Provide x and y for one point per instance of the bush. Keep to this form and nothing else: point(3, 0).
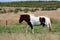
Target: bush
point(10, 10)
point(49, 8)
point(2, 10)
point(36, 9)
point(32, 10)
point(26, 10)
point(17, 9)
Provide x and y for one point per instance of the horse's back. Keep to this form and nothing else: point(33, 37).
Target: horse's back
point(34, 20)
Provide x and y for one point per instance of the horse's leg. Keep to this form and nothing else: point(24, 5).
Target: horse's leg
point(50, 27)
point(33, 31)
point(43, 25)
point(27, 28)
point(29, 23)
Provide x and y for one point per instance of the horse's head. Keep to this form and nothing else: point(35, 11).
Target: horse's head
point(25, 18)
point(21, 19)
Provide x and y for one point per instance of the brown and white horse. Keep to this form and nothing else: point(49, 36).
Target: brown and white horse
point(32, 20)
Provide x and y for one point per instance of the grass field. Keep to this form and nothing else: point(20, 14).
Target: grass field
point(21, 28)
point(17, 32)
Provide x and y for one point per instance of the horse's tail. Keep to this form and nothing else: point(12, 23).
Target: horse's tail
point(50, 27)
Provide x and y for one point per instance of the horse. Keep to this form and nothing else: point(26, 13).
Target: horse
point(33, 20)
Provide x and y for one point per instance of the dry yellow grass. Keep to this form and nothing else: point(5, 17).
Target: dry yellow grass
point(29, 36)
point(13, 18)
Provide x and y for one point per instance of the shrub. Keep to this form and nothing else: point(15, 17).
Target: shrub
point(49, 8)
point(2, 10)
point(26, 10)
point(36, 9)
point(17, 9)
point(10, 10)
point(32, 10)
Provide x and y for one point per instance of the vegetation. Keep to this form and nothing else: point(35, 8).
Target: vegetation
point(2, 10)
point(10, 10)
point(22, 28)
point(42, 4)
point(30, 4)
point(36, 4)
point(16, 10)
point(26, 10)
point(18, 31)
point(49, 8)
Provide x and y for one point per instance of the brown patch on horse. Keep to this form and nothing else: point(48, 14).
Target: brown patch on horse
point(42, 21)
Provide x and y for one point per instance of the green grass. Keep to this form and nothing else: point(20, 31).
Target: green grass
point(13, 28)
point(21, 28)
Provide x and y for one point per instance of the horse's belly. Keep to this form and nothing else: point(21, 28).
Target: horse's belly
point(35, 22)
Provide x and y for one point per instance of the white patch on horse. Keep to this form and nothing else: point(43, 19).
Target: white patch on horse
point(34, 20)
